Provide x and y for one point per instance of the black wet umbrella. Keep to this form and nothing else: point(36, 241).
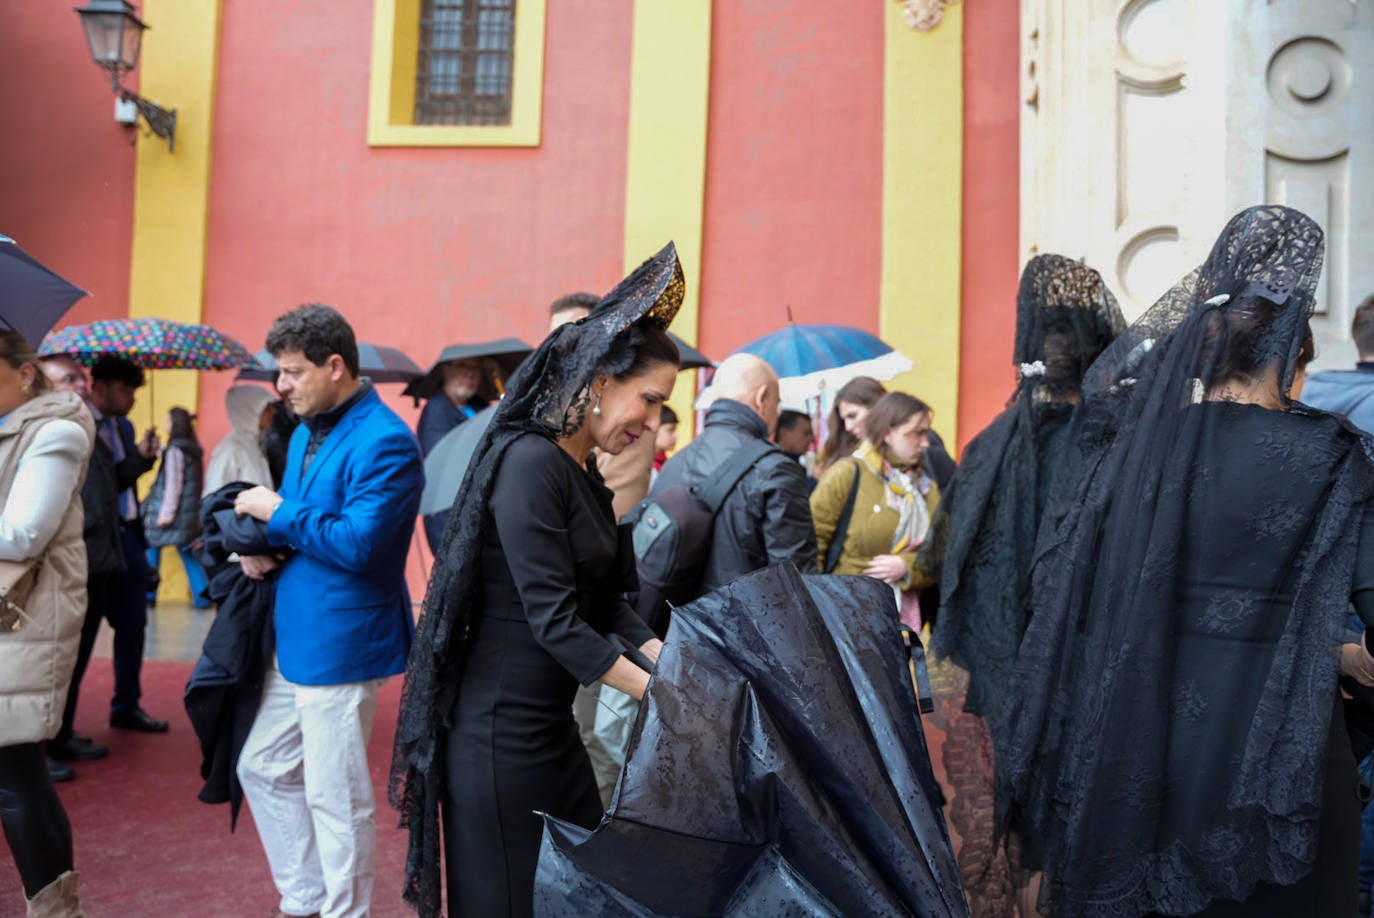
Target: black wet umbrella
point(506, 353)
point(778, 767)
point(32, 297)
point(378, 363)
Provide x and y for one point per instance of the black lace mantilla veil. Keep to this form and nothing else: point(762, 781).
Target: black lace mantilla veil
point(547, 395)
point(1082, 741)
point(1065, 318)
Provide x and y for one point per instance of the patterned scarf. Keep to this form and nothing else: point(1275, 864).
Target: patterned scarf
point(905, 493)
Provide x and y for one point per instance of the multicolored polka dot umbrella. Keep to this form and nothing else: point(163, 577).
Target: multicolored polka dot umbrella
point(154, 344)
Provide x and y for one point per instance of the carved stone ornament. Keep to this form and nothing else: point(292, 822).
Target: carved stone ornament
point(924, 15)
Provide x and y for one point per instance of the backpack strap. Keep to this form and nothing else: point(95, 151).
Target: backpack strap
point(724, 479)
point(835, 549)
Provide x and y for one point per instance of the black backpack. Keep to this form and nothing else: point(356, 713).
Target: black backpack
point(672, 535)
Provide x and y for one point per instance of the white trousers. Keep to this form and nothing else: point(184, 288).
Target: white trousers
point(304, 773)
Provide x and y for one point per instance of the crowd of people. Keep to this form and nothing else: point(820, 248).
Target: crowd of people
point(1144, 587)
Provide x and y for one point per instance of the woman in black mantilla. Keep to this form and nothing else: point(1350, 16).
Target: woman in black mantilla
point(1172, 743)
point(983, 540)
point(529, 583)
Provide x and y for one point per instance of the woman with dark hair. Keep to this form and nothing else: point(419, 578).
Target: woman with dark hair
point(872, 511)
point(1174, 742)
point(171, 513)
point(983, 541)
point(845, 426)
point(527, 591)
point(845, 430)
point(45, 443)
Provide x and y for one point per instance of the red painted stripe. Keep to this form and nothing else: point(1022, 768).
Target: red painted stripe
point(991, 210)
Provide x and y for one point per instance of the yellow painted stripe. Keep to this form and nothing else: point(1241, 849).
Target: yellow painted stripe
point(923, 97)
point(177, 69)
point(670, 82)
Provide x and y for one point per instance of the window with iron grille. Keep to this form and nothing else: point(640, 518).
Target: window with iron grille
point(463, 75)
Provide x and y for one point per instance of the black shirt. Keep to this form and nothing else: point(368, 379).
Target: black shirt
point(325, 421)
point(553, 558)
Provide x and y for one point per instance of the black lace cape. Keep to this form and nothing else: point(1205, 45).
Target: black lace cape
point(1065, 318)
point(1093, 676)
point(547, 395)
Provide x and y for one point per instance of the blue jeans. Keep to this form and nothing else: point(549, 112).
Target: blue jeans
point(195, 574)
point(1367, 835)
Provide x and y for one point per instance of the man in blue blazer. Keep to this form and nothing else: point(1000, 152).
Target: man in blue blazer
point(343, 522)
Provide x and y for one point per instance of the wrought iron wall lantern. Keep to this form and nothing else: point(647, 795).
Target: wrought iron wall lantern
point(114, 34)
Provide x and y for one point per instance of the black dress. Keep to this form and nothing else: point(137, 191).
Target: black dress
point(551, 589)
point(1246, 527)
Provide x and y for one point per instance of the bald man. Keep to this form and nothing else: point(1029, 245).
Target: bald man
point(766, 519)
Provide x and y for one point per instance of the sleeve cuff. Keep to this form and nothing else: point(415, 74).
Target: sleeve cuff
point(600, 668)
point(279, 523)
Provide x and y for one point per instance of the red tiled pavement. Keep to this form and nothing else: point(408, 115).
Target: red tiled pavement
point(145, 846)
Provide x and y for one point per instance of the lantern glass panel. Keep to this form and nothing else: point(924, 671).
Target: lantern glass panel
point(133, 37)
point(104, 35)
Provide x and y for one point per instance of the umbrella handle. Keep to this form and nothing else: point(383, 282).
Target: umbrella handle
point(634, 654)
point(917, 651)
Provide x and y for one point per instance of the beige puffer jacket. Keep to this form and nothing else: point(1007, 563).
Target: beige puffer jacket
point(56, 431)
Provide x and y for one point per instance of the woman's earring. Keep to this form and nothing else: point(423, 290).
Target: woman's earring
point(596, 409)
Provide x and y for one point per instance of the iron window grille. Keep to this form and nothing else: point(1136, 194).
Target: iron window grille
point(463, 75)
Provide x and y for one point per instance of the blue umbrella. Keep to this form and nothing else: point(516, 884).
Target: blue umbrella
point(379, 363)
point(811, 360)
point(32, 297)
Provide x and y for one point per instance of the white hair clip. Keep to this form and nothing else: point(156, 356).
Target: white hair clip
point(1221, 299)
point(1033, 369)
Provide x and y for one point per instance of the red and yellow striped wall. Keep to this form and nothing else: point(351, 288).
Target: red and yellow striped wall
point(805, 155)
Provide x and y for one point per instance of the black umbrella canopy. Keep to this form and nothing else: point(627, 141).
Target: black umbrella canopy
point(506, 353)
point(689, 357)
point(377, 362)
point(778, 767)
point(32, 297)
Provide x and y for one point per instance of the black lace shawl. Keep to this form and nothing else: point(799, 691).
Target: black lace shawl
point(1065, 318)
point(1091, 708)
point(547, 395)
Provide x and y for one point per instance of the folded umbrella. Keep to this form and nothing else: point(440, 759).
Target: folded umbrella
point(377, 362)
point(506, 353)
point(778, 767)
point(32, 297)
point(447, 464)
point(154, 344)
point(811, 360)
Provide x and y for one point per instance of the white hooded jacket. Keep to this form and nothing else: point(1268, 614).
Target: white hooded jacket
point(238, 457)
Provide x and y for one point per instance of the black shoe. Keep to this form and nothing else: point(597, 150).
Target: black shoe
point(72, 750)
point(57, 772)
point(136, 719)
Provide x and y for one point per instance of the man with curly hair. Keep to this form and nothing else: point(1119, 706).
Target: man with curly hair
point(343, 523)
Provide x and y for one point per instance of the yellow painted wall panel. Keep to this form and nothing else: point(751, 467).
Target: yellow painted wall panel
point(666, 175)
point(177, 68)
point(922, 188)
